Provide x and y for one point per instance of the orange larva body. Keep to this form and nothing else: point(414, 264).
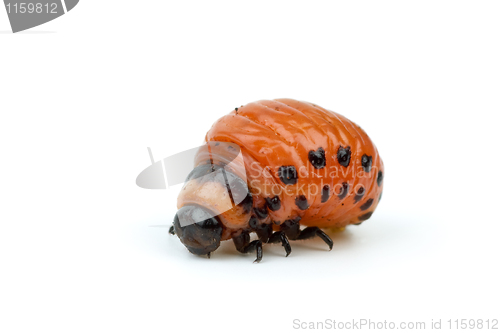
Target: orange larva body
point(303, 163)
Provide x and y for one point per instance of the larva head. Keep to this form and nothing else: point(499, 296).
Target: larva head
point(198, 229)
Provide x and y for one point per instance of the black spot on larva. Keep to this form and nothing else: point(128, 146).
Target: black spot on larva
point(359, 194)
point(301, 202)
point(218, 143)
point(380, 178)
point(317, 158)
point(273, 203)
point(366, 205)
point(366, 162)
point(253, 223)
point(325, 193)
point(343, 191)
point(380, 196)
point(261, 213)
point(344, 156)
point(288, 175)
point(365, 217)
point(238, 190)
point(247, 203)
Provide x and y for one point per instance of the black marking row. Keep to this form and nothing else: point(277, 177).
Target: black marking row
point(288, 173)
point(289, 176)
point(274, 203)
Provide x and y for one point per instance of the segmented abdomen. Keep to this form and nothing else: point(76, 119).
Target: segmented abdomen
point(304, 162)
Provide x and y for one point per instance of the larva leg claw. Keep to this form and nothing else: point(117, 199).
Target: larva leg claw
point(279, 236)
point(171, 230)
point(243, 245)
point(311, 232)
point(258, 249)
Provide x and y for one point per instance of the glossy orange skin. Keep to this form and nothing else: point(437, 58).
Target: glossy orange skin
point(282, 132)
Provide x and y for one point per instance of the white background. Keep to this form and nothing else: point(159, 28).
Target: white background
point(83, 249)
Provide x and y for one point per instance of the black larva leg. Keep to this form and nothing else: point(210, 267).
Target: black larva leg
point(279, 236)
point(291, 228)
point(256, 246)
point(243, 245)
point(311, 232)
point(264, 232)
point(171, 230)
